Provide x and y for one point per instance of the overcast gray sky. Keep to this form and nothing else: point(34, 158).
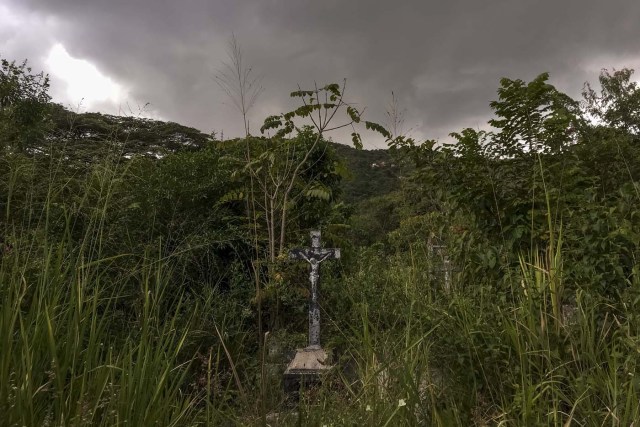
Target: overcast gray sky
point(443, 59)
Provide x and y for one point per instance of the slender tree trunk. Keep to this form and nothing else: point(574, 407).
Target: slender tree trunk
point(283, 218)
point(272, 233)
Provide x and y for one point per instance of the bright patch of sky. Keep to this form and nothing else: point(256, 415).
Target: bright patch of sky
point(85, 84)
point(7, 20)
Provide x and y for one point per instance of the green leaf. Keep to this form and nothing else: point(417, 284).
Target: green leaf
point(301, 93)
point(357, 140)
point(334, 88)
point(378, 128)
point(319, 191)
point(306, 110)
point(353, 114)
point(232, 196)
point(271, 122)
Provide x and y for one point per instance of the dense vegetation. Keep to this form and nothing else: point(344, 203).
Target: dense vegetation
point(494, 281)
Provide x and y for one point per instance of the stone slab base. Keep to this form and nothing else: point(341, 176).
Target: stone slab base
point(305, 371)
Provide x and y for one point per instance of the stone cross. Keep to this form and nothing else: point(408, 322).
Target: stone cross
point(314, 256)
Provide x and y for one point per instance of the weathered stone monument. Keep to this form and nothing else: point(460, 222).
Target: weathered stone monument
point(311, 362)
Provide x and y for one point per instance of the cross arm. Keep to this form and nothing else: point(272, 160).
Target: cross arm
point(329, 253)
point(300, 253)
point(312, 253)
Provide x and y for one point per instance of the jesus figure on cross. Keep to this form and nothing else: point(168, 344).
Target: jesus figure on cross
point(314, 255)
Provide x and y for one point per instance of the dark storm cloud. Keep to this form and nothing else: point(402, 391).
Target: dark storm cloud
point(443, 59)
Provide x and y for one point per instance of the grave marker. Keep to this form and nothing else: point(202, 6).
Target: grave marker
point(309, 362)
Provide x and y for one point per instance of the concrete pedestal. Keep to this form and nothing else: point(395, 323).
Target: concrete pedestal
point(305, 370)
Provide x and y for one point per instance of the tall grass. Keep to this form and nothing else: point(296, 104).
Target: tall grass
point(71, 353)
point(93, 337)
point(89, 337)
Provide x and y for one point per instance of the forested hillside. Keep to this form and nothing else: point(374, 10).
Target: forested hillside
point(145, 279)
point(370, 173)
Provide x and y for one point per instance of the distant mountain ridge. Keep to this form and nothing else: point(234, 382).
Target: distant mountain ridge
point(372, 173)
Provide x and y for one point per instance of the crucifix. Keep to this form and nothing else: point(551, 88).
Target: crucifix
point(314, 255)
